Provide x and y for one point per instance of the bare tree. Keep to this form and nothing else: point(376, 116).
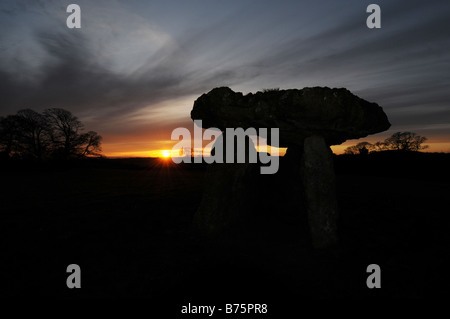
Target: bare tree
point(91, 144)
point(360, 148)
point(8, 135)
point(32, 133)
point(65, 132)
point(402, 141)
point(405, 141)
point(380, 146)
point(56, 133)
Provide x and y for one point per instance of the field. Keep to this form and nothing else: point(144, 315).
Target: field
point(128, 224)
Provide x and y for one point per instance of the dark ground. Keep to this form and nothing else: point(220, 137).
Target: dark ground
point(127, 223)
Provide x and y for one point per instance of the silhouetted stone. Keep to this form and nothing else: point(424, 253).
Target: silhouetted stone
point(309, 120)
point(228, 192)
point(320, 193)
point(335, 114)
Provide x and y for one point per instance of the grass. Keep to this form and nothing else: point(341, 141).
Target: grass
point(128, 225)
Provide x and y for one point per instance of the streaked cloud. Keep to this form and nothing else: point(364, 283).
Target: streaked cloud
point(135, 67)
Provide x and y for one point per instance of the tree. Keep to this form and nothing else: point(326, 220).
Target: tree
point(8, 135)
point(33, 137)
point(360, 148)
point(402, 141)
point(405, 141)
point(65, 132)
point(379, 146)
point(55, 133)
point(91, 141)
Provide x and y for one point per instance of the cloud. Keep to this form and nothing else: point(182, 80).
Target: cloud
point(80, 74)
point(124, 74)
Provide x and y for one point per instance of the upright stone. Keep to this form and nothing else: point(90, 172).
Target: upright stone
point(229, 191)
point(319, 188)
point(309, 121)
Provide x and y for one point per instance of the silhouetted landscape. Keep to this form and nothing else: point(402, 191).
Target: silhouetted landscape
point(210, 153)
point(128, 224)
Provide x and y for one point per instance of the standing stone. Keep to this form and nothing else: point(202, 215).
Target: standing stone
point(229, 191)
point(309, 121)
point(319, 188)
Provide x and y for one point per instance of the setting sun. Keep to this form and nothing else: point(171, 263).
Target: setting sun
point(165, 153)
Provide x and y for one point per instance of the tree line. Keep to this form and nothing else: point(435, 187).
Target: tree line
point(53, 134)
point(400, 141)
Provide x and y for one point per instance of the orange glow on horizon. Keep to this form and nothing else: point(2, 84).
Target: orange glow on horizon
point(117, 151)
point(165, 153)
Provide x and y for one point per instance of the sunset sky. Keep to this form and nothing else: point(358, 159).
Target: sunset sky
point(134, 69)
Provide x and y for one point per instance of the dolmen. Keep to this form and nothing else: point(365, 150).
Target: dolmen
point(309, 120)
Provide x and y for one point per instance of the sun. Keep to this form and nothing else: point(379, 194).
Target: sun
point(165, 153)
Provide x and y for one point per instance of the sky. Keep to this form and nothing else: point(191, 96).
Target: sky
point(134, 69)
